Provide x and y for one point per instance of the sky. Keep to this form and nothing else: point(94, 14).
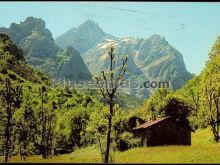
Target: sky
point(191, 27)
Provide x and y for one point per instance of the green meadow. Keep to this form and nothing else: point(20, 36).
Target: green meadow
point(202, 150)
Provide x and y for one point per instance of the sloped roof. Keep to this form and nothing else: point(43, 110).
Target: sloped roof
point(150, 123)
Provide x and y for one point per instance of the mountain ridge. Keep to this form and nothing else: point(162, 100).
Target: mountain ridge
point(88, 31)
point(149, 59)
point(41, 51)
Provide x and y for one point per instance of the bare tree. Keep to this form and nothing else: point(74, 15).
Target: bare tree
point(108, 83)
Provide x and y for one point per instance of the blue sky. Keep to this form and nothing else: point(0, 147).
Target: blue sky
point(191, 27)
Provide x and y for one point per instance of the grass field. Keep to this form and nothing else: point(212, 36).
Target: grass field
point(203, 150)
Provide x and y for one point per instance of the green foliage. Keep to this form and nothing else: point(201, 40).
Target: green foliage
point(26, 123)
point(192, 94)
point(176, 108)
point(10, 99)
point(211, 89)
point(46, 120)
point(151, 108)
point(121, 138)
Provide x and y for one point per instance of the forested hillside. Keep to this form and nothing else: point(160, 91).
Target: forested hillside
point(38, 118)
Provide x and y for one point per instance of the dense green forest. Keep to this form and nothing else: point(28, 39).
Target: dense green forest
point(38, 118)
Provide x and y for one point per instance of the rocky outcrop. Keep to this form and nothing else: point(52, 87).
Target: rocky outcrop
point(34, 39)
point(75, 68)
point(41, 51)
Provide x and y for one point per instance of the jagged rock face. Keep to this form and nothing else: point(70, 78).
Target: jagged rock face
point(98, 59)
point(33, 38)
point(75, 68)
point(83, 37)
point(149, 59)
point(151, 49)
point(152, 59)
point(41, 51)
point(159, 60)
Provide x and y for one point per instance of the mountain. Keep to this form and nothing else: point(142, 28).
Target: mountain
point(83, 37)
point(41, 51)
point(34, 39)
point(67, 64)
point(161, 61)
point(84, 50)
point(75, 67)
point(152, 59)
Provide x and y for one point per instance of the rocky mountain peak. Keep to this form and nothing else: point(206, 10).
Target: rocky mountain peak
point(33, 38)
point(40, 50)
point(157, 39)
point(30, 24)
point(83, 37)
point(89, 22)
point(91, 26)
point(36, 23)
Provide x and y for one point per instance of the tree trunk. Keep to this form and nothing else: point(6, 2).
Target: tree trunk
point(7, 134)
point(100, 147)
point(108, 135)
